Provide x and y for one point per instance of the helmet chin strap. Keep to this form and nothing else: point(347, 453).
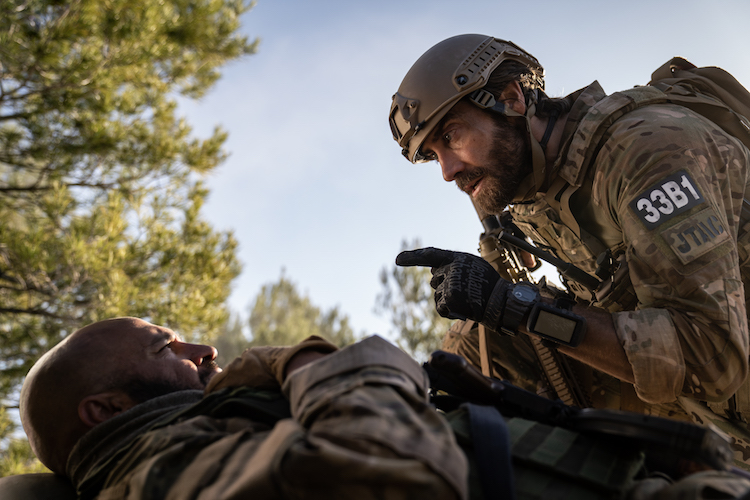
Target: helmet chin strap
point(538, 176)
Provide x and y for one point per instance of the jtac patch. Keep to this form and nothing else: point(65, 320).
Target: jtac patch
point(666, 199)
point(696, 235)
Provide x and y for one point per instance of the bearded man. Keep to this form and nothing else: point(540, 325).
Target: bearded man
point(645, 196)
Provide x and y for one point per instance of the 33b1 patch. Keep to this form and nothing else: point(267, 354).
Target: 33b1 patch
point(668, 198)
point(696, 235)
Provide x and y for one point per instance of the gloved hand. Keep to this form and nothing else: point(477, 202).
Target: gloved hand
point(466, 286)
point(265, 367)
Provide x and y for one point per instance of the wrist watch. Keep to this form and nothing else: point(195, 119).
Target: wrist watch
point(521, 298)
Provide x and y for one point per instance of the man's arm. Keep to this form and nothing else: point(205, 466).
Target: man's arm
point(601, 347)
point(362, 427)
point(676, 193)
point(369, 403)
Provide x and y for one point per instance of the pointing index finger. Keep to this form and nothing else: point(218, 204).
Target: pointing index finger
point(428, 257)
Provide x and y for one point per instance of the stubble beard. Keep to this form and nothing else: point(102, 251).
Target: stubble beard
point(142, 389)
point(508, 164)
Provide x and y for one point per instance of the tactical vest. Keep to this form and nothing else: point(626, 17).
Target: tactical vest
point(550, 223)
point(709, 91)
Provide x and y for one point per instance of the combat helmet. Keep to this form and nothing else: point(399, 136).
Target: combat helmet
point(454, 68)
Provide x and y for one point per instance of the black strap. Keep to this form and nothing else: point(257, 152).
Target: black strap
point(491, 443)
point(548, 131)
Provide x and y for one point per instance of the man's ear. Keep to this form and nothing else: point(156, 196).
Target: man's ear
point(513, 97)
point(98, 408)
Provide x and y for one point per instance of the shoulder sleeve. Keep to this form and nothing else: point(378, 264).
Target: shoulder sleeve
point(674, 184)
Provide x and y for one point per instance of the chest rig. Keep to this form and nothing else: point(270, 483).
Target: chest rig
point(550, 219)
point(552, 222)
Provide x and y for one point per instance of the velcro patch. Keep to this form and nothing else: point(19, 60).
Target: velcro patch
point(666, 199)
point(696, 235)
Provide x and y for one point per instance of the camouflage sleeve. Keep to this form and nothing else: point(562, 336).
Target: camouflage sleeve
point(366, 414)
point(362, 428)
point(674, 185)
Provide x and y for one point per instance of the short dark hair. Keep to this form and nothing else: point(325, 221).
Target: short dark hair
point(510, 71)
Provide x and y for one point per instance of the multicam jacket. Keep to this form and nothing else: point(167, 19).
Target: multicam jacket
point(354, 424)
point(662, 189)
point(665, 187)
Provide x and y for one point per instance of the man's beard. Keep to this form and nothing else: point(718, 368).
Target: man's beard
point(508, 164)
point(140, 389)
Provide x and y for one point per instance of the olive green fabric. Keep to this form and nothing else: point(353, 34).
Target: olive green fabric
point(36, 487)
point(552, 462)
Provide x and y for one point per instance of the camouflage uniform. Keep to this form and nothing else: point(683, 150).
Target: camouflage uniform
point(360, 426)
point(355, 424)
point(663, 188)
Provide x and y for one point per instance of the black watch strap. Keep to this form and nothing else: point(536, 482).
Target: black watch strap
point(521, 298)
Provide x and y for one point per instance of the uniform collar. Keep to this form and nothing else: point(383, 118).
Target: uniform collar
point(581, 102)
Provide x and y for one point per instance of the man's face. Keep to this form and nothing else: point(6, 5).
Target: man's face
point(156, 361)
point(487, 158)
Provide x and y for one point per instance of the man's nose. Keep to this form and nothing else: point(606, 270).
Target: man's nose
point(450, 165)
point(199, 353)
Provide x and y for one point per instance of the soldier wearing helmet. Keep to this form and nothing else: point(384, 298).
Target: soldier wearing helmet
point(643, 195)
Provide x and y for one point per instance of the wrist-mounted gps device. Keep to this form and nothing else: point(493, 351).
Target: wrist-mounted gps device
point(557, 323)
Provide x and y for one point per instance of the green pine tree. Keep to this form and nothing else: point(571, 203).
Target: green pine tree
point(231, 340)
point(100, 178)
point(281, 315)
point(16, 456)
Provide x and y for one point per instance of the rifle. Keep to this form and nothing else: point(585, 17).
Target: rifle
point(672, 446)
point(501, 245)
point(505, 258)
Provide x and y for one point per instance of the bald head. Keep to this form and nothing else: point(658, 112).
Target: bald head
point(99, 371)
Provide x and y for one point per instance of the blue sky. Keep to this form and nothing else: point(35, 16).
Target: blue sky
point(316, 185)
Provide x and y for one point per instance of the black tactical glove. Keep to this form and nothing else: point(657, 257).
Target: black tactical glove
point(466, 286)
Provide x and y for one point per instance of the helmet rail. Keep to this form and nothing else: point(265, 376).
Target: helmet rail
point(442, 76)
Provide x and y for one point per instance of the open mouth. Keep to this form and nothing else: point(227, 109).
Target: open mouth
point(472, 188)
point(470, 182)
